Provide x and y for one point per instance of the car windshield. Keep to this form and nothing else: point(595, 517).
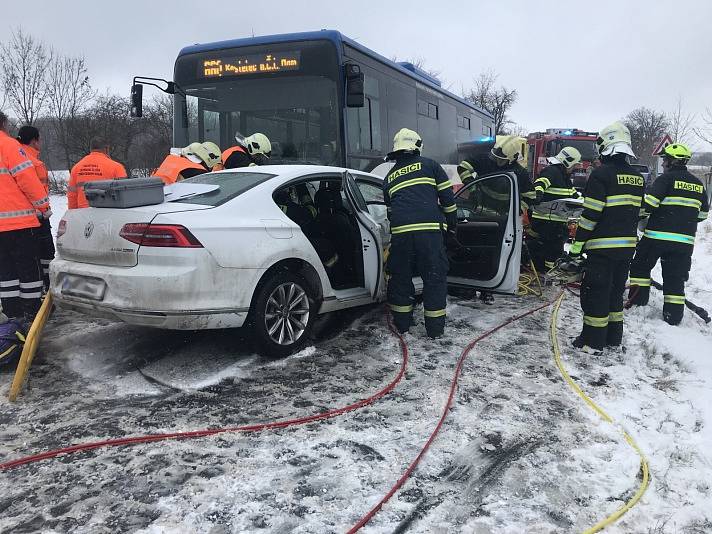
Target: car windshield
point(230, 185)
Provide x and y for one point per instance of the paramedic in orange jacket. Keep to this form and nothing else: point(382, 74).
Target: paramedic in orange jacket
point(195, 159)
point(29, 138)
point(94, 167)
point(23, 201)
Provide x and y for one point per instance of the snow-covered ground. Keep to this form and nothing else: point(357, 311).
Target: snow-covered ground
point(518, 453)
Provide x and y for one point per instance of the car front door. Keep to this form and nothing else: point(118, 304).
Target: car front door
point(487, 252)
point(371, 242)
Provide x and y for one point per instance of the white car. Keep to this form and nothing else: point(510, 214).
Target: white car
point(269, 246)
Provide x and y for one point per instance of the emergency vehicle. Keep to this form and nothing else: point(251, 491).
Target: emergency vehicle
point(546, 144)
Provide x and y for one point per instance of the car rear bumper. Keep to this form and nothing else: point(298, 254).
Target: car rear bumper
point(182, 296)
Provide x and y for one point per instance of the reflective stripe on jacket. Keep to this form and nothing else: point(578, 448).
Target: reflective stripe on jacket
point(94, 167)
point(21, 193)
point(676, 201)
point(170, 170)
point(611, 207)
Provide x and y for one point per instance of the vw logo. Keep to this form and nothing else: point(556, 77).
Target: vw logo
point(88, 229)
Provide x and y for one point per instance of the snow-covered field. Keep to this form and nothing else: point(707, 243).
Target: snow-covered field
point(518, 453)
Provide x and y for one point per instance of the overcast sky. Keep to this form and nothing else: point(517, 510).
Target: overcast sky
point(574, 64)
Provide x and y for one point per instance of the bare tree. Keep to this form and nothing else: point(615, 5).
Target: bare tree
point(646, 127)
point(704, 132)
point(681, 123)
point(514, 128)
point(496, 100)
point(69, 92)
point(24, 74)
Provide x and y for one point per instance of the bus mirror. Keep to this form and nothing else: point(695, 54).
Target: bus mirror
point(137, 100)
point(354, 86)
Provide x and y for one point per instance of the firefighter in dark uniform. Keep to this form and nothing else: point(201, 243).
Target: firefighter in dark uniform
point(676, 202)
point(420, 199)
point(505, 155)
point(550, 230)
point(607, 231)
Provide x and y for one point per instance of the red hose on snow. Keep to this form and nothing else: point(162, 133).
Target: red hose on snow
point(465, 352)
point(213, 431)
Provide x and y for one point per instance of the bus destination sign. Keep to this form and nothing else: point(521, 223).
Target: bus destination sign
point(219, 67)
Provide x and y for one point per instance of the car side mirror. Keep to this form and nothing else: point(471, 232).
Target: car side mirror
point(355, 97)
point(137, 100)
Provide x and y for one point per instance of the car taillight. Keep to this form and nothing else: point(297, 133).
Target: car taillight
point(159, 235)
point(62, 229)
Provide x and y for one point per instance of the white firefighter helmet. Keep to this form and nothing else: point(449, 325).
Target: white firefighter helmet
point(508, 148)
point(567, 156)
point(197, 153)
point(614, 139)
point(213, 154)
point(406, 139)
point(258, 143)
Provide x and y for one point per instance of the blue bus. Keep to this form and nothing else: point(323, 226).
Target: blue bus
point(319, 96)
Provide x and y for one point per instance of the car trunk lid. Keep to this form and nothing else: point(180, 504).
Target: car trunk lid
point(92, 235)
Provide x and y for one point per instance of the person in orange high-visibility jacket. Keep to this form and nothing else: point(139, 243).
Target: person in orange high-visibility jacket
point(23, 201)
point(94, 167)
point(29, 138)
point(178, 166)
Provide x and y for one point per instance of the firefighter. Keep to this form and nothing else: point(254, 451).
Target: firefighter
point(94, 167)
point(550, 229)
point(23, 201)
point(607, 231)
point(506, 154)
point(676, 202)
point(255, 149)
point(419, 199)
point(193, 160)
point(29, 138)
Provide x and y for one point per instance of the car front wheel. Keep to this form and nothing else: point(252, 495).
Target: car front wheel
point(284, 313)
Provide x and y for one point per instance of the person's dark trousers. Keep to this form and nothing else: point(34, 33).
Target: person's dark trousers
point(676, 260)
point(602, 289)
point(20, 280)
point(45, 245)
point(418, 254)
point(549, 243)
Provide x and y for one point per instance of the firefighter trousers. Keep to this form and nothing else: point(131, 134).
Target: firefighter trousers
point(418, 254)
point(20, 279)
point(547, 246)
point(676, 260)
point(46, 249)
point(602, 289)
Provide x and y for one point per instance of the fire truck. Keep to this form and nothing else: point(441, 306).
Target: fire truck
point(546, 144)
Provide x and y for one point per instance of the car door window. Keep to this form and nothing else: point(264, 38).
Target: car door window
point(483, 212)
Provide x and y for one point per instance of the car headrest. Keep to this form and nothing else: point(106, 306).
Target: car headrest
point(328, 199)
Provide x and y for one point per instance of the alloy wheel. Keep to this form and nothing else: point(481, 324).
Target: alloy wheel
point(287, 313)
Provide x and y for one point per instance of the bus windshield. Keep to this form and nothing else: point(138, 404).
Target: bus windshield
point(297, 107)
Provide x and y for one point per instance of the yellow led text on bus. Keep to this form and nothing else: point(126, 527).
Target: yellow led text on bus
point(252, 64)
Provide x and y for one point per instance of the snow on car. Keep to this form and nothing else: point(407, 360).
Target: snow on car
point(247, 249)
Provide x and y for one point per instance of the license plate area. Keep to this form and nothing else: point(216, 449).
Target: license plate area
point(85, 287)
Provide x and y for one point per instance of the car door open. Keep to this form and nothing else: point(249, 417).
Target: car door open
point(370, 236)
point(487, 252)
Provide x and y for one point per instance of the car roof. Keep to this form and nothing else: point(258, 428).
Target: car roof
point(284, 173)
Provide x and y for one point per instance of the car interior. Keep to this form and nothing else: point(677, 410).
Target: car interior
point(320, 209)
point(483, 211)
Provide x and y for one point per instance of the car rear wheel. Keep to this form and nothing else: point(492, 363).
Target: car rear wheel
point(283, 315)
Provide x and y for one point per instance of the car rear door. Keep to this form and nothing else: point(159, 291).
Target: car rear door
point(487, 251)
point(371, 241)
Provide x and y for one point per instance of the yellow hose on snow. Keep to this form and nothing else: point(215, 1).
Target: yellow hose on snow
point(644, 468)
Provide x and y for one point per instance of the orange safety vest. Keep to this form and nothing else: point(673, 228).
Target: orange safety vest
point(21, 193)
point(40, 168)
point(172, 166)
point(229, 151)
point(94, 167)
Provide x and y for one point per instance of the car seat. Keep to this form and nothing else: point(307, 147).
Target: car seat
point(336, 226)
